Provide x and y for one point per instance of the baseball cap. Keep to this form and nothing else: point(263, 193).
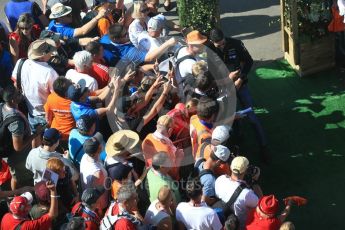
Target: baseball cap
point(91, 195)
point(75, 91)
point(269, 205)
point(85, 122)
point(50, 34)
point(121, 172)
point(91, 145)
point(42, 192)
point(154, 24)
point(222, 152)
point(221, 133)
point(239, 164)
point(19, 205)
point(51, 135)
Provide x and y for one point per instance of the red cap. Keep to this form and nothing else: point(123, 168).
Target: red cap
point(269, 205)
point(18, 206)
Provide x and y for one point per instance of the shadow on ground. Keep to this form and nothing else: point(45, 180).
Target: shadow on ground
point(233, 6)
point(251, 26)
point(305, 122)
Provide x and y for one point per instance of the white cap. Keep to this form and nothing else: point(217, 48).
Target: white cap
point(222, 152)
point(154, 24)
point(28, 196)
point(221, 133)
point(239, 164)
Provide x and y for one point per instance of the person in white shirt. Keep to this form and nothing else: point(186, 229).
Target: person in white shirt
point(195, 214)
point(37, 79)
point(79, 75)
point(140, 12)
point(92, 171)
point(161, 210)
point(150, 39)
point(248, 198)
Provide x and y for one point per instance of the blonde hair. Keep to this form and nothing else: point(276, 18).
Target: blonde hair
point(199, 67)
point(165, 121)
point(55, 164)
point(164, 195)
point(287, 226)
point(25, 19)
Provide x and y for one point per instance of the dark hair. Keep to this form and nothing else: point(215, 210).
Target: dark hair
point(76, 223)
point(115, 31)
point(159, 159)
point(231, 223)
point(216, 35)
point(93, 47)
point(207, 107)
point(61, 85)
point(9, 93)
point(204, 81)
point(48, 143)
point(194, 188)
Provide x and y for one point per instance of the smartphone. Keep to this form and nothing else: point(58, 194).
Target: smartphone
point(170, 65)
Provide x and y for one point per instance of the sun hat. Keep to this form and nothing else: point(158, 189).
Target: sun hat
point(138, 10)
point(195, 38)
point(59, 10)
point(222, 152)
point(123, 140)
point(40, 48)
point(269, 205)
point(239, 164)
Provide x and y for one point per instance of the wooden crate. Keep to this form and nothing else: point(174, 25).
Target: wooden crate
point(305, 57)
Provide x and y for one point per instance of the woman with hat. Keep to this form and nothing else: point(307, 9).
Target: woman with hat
point(62, 19)
point(25, 33)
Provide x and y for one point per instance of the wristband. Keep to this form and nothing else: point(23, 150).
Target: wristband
point(52, 196)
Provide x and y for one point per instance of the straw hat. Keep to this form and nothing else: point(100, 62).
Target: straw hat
point(195, 38)
point(59, 10)
point(138, 8)
point(40, 48)
point(123, 140)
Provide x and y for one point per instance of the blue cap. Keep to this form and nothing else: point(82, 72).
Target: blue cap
point(51, 135)
point(75, 91)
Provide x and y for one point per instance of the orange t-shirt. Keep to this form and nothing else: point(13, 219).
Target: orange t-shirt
point(59, 111)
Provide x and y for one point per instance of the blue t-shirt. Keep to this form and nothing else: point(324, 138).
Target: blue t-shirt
point(65, 31)
point(127, 52)
point(208, 182)
point(75, 143)
point(6, 68)
point(78, 109)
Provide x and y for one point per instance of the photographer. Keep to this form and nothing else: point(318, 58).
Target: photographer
point(228, 187)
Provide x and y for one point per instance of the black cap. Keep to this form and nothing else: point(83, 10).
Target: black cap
point(91, 195)
point(51, 135)
point(91, 145)
point(121, 171)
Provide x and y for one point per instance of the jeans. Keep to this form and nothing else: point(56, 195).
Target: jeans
point(245, 99)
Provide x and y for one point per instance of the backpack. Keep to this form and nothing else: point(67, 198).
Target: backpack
point(108, 222)
point(196, 173)
point(6, 143)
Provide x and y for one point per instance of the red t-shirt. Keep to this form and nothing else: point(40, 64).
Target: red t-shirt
point(256, 222)
point(122, 224)
point(8, 222)
point(101, 74)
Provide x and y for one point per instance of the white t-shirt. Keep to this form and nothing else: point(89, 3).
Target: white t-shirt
point(88, 167)
point(135, 28)
point(37, 83)
point(153, 216)
point(203, 217)
point(247, 199)
point(148, 43)
point(82, 79)
point(185, 67)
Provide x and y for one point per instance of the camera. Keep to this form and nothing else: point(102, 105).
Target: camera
point(251, 173)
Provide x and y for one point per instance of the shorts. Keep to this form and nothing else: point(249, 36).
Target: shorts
point(19, 172)
point(34, 121)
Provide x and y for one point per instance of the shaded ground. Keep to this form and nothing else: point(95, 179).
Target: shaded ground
point(305, 120)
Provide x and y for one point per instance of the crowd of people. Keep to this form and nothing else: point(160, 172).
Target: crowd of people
point(108, 122)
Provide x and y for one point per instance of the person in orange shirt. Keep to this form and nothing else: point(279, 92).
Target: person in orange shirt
point(220, 135)
point(58, 110)
point(159, 142)
point(201, 124)
point(105, 22)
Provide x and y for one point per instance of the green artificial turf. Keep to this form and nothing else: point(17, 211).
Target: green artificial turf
point(304, 121)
